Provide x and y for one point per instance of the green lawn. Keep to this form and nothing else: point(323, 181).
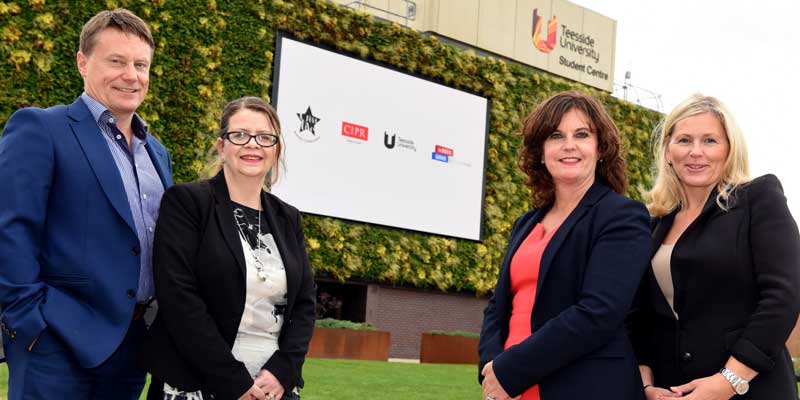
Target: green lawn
point(345, 379)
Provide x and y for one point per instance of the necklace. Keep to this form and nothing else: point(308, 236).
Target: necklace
point(259, 253)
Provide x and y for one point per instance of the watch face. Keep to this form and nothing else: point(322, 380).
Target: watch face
point(741, 387)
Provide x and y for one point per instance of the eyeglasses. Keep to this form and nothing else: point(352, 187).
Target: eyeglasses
point(243, 138)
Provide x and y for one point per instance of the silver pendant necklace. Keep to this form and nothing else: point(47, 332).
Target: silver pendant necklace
point(261, 248)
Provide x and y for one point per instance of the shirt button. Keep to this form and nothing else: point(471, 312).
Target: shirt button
point(119, 137)
point(144, 196)
point(112, 120)
point(686, 356)
point(131, 293)
point(151, 229)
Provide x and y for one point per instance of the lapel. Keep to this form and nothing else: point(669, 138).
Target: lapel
point(657, 298)
point(281, 232)
point(677, 272)
point(227, 225)
point(160, 160)
point(94, 146)
point(592, 196)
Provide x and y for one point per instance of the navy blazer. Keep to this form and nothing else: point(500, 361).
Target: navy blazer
point(588, 276)
point(737, 293)
point(69, 252)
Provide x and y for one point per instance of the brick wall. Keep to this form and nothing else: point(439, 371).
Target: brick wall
point(406, 313)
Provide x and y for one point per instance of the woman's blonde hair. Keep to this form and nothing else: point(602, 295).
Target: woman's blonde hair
point(257, 104)
point(668, 192)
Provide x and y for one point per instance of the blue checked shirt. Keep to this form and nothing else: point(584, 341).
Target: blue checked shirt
point(142, 185)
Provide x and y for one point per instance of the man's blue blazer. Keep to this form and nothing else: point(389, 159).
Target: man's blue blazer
point(69, 253)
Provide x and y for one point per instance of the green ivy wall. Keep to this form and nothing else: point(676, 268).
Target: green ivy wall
point(208, 52)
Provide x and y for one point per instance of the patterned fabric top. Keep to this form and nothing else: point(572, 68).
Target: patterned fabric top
point(266, 298)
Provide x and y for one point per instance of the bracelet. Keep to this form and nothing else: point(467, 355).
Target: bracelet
point(646, 386)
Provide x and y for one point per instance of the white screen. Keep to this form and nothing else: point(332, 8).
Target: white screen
point(334, 171)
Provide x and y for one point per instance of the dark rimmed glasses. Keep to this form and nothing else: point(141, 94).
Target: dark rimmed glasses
point(243, 138)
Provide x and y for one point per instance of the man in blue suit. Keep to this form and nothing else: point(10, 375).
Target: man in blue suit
point(82, 185)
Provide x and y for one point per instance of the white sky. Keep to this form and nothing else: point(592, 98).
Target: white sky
point(747, 54)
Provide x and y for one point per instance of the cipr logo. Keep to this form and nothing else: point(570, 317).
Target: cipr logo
point(544, 45)
point(354, 131)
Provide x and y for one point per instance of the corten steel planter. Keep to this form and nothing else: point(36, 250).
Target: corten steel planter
point(349, 343)
point(447, 349)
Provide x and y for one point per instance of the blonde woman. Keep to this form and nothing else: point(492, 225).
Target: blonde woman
point(233, 282)
point(721, 296)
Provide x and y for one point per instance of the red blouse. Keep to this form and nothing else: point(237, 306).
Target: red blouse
point(524, 276)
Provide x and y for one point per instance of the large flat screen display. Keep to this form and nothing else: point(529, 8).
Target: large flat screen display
point(368, 143)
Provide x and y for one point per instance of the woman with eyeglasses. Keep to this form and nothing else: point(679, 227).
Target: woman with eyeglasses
point(233, 283)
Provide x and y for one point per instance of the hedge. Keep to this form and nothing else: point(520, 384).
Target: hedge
point(344, 324)
point(208, 52)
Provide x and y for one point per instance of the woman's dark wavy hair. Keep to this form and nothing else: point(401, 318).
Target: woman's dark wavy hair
point(544, 120)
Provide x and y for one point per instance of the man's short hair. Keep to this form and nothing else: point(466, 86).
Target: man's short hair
point(119, 19)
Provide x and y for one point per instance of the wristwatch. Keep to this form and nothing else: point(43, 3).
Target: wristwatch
point(740, 386)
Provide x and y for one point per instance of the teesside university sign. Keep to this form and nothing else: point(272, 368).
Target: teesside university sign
point(556, 36)
point(573, 41)
point(570, 41)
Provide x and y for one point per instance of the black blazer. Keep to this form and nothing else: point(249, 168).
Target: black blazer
point(736, 283)
point(199, 272)
point(588, 276)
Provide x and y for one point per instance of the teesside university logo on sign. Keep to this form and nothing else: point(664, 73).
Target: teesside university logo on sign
point(571, 42)
point(442, 154)
point(355, 131)
point(545, 46)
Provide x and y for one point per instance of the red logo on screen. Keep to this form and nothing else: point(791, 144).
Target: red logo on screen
point(355, 131)
point(444, 150)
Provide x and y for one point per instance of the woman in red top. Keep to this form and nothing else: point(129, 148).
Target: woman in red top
point(553, 329)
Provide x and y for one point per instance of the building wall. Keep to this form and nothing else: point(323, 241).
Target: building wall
point(407, 313)
point(505, 27)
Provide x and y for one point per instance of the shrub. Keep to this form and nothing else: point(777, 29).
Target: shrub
point(456, 333)
point(342, 324)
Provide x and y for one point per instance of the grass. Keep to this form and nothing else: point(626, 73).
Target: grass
point(349, 379)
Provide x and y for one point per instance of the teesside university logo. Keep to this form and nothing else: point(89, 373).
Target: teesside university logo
point(545, 46)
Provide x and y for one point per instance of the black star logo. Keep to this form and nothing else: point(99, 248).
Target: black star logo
point(307, 121)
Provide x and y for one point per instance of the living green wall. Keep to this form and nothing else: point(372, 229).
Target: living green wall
point(208, 52)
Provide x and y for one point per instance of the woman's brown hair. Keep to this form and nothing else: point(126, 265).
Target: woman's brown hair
point(544, 120)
